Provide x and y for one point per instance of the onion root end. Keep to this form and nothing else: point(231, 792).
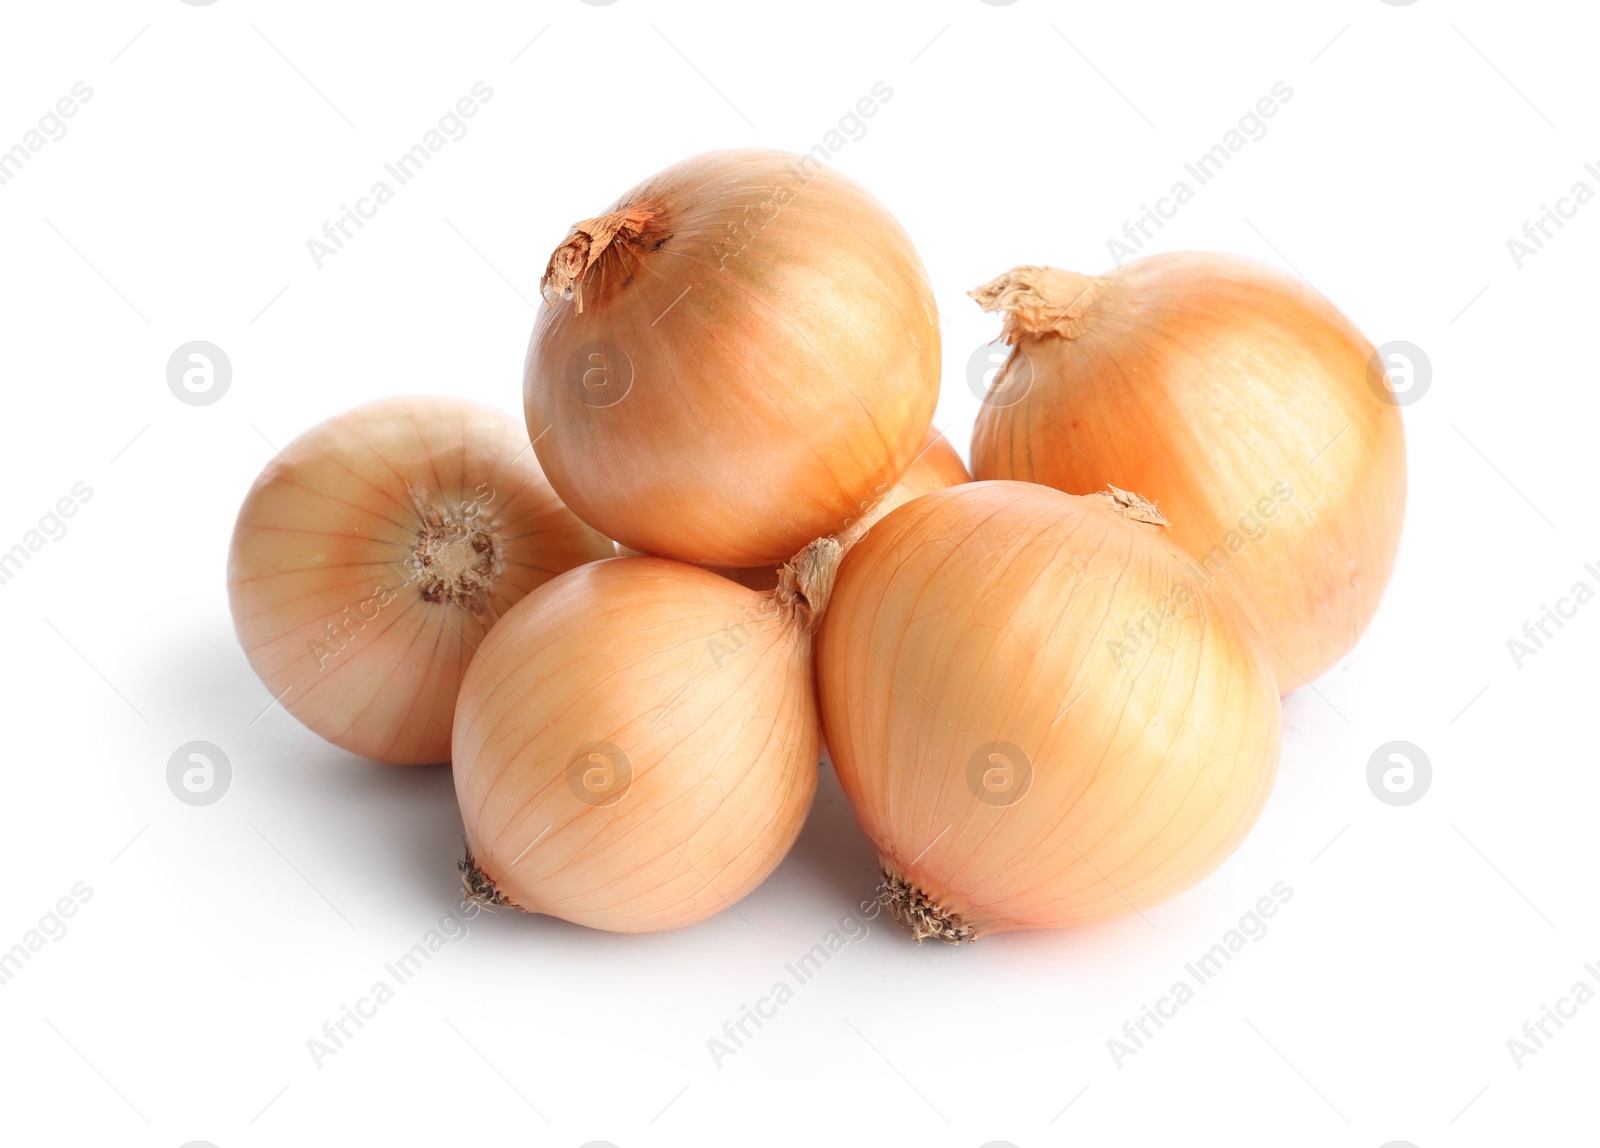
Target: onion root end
point(921, 913)
point(477, 889)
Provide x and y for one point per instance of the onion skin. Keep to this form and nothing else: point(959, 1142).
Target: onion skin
point(1203, 381)
point(761, 578)
point(984, 614)
point(701, 686)
point(772, 344)
point(343, 623)
point(936, 468)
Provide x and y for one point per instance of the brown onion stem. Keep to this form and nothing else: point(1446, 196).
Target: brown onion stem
point(806, 582)
point(585, 244)
point(1126, 504)
point(1040, 301)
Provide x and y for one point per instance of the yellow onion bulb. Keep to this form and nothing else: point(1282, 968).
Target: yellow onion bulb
point(375, 551)
point(937, 467)
point(636, 742)
point(1039, 718)
point(732, 359)
point(1239, 401)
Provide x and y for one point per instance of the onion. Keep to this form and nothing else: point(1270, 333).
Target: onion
point(636, 743)
point(938, 466)
point(735, 357)
point(1017, 759)
point(372, 555)
point(1239, 401)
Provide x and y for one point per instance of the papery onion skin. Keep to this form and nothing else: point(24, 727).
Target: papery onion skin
point(360, 635)
point(937, 467)
point(756, 356)
point(636, 745)
point(1239, 401)
point(761, 578)
point(979, 620)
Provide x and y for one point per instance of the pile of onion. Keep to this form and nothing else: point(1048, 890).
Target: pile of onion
point(374, 553)
point(636, 744)
point(1050, 702)
point(735, 358)
point(1020, 759)
point(1239, 401)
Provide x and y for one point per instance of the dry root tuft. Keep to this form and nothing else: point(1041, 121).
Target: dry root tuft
point(477, 889)
point(920, 913)
point(457, 556)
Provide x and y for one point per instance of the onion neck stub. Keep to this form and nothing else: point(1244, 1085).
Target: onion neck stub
point(588, 241)
point(1041, 301)
point(1133, 507)
point(806, 583)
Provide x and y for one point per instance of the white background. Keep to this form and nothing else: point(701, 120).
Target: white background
point(218, 940)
